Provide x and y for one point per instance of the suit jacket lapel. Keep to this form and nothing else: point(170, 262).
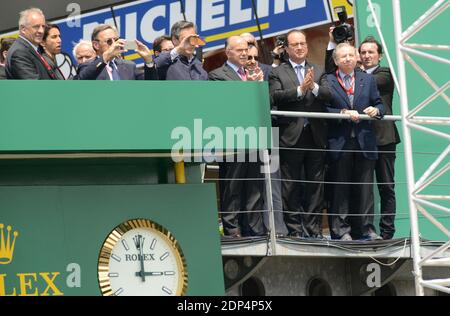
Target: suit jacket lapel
point(121, 68)
point(35, 54)
point(291, 73)
point(337, 87)
point(359, 84)
point(230, 73)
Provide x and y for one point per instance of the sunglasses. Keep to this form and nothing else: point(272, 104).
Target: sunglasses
point(109, 41)
point(253, 57)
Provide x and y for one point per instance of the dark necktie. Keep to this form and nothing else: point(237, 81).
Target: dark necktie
point(114, 71)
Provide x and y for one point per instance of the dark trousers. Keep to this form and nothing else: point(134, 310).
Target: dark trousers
point(301, 199)
point(384, 171)
point(348, 198)
point(242, 202)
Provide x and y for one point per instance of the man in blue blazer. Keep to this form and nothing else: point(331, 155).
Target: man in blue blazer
point(353, 147)
point(181, 63)
point(108, 65)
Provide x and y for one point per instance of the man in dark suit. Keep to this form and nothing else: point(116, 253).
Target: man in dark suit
point(108, 65)
point(24, 58)
point(353, 147)
point(371, 52)
point(293, 87)
point(240, 199)
point(181, 63)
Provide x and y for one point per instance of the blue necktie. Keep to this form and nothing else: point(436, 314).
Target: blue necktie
point(115, 72)
point(300, 77)
point(298, 70)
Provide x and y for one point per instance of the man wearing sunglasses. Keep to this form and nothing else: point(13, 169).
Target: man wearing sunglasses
point(252, 42)
point(109, 65)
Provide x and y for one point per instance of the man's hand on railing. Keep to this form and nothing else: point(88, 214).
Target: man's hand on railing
point(354, 115)
point(371, 111)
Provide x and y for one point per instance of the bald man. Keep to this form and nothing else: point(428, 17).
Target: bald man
point(240, 199)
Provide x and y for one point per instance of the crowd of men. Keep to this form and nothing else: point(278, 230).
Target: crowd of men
point(346, 153)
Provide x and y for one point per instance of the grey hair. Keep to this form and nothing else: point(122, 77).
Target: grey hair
point(339, 47)
point(23, 16)
point(178, 26)
point(81, 42)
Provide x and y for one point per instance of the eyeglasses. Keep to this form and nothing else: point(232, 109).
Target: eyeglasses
point(109, 41)
point(253, 57)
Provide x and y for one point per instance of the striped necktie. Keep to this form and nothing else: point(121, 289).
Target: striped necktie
point(241, 73)
point(348, 86)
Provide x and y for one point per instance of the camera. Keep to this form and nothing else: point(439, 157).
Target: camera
point(281, 40)
point(343, 32)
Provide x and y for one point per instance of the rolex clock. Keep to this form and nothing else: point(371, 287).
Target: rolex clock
point(141, 258)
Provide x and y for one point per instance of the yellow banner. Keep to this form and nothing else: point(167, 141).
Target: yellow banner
point(347, 3)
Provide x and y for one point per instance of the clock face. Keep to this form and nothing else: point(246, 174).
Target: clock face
point(139, 258)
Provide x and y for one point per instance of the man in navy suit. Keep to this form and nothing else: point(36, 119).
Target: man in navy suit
point(108, 65)
point(353, 147)
point(181, 63)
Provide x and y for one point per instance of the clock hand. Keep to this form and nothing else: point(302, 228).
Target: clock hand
point(139, 242)
point(150, 273)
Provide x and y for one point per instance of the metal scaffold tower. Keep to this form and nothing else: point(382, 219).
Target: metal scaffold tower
point(420, 203)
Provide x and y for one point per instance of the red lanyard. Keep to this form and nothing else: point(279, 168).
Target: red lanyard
point(49, 68)
point(349, 90)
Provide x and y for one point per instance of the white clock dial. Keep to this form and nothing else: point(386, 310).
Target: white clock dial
point(141, 258)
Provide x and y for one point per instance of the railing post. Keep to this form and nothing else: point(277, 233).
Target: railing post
point(268, 186)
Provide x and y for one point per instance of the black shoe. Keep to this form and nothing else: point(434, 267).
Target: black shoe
point(372, 236)
point(346, 237)
point(295, 235)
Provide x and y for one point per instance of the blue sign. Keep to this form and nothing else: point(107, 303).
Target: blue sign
point(216, 20)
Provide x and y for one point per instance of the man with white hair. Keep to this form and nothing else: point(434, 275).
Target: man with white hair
point(84, 52)
point(24, 58)
point(353, 147)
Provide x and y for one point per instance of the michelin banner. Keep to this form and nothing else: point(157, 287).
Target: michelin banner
point(216, 19)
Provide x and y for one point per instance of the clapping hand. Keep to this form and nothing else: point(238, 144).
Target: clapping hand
point(255, 75)
point(308, 83)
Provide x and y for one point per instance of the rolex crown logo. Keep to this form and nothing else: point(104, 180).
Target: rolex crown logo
point(7, 245)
